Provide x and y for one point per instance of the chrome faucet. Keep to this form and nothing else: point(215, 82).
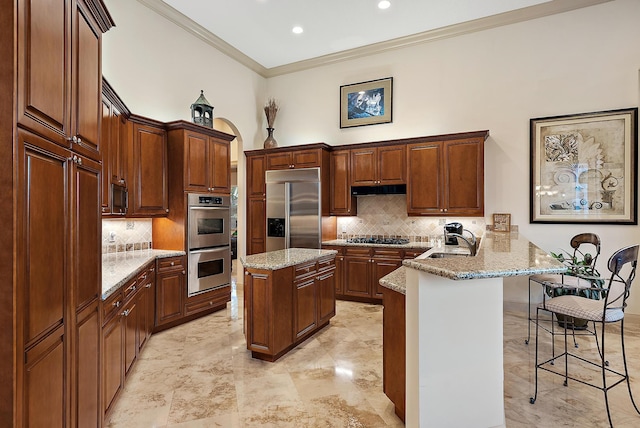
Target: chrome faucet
point(473, 244)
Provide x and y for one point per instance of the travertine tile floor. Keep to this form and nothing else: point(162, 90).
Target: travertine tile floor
point(200, 375)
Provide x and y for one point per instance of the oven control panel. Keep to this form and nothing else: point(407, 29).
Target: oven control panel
point(204, 200)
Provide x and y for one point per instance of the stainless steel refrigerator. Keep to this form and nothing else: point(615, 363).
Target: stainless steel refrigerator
point(293, 209)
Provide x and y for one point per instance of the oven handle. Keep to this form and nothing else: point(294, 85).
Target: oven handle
point(211, 250)
point(209, 208)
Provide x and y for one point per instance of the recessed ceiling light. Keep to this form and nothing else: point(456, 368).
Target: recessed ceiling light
point(384, 4)
point(297, 29)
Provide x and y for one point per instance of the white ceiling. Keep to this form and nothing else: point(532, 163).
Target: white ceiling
point(258, 32)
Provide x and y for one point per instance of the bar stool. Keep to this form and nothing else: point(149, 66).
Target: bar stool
point(608, 310)
point(580, 244)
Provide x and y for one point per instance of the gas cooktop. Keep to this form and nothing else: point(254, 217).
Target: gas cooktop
point(394, 241)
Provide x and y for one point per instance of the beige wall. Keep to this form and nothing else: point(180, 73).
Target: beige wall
point(581, 61)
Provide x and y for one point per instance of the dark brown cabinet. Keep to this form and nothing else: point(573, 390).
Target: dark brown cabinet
point(446, 177)
point(373, 166)
point(342, 202)
point(147, 154)
point(283, 307)
point(200, 158)
point(256, 203)
point(112, 356)
point(170, 289)
point(393, 349)
point(295, 159)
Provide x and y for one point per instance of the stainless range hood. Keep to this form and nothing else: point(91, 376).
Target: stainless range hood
point(397, 189)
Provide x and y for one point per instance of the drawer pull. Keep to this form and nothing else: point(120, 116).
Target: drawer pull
point(147, 286)
point(126, 313)
point(116, 304)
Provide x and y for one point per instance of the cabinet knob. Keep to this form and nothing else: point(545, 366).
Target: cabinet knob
point(104, 210)
point(167, 210)
point(148, 285)
point(126, 313)
point(152, 269)
point(78, 140)
point(172, 263)
point(116, 304)
point(121, 181)
point(183, 272)
point(210, 303)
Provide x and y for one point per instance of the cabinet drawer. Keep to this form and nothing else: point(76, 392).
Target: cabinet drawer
point(170, 263)
point(357, 251)
point(304, 270)
point(111, 305)
point(213, 299)
point(412, 254)
point(387, 254)
point(129, 288)
point(326, 264)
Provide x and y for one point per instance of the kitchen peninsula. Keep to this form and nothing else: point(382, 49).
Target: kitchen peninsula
point(288, 296)
point(454, 352)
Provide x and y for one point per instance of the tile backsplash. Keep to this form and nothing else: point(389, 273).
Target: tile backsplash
point(120, 235)
point(387, 215)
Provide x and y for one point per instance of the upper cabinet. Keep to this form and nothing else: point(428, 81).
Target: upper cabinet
point(59, 71)
point(147, 154)
point(295, 159)
point(373, 166)
point(446, 178)
point(200, 157)
point(342, 202)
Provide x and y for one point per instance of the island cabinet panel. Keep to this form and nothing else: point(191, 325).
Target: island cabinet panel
point(326, 290)
point(342, 202)
point(383, 263)
point(373, 166)
point(393, 349)
point(147, 153)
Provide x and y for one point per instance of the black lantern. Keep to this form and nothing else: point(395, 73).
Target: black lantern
point(202, 111)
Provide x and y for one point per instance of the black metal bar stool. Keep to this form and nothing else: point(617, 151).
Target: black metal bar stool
point(609, 309)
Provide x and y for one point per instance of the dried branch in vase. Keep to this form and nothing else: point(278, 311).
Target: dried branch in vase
point(270, 110)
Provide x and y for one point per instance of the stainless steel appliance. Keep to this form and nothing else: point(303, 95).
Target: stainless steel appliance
point(449, 229)
point(293, 209)
point(209, 244)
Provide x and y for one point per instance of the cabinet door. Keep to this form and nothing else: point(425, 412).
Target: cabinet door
point(256, 166)
point(42, 196)
point(87, 83)
point(148, 193)
point(357, 276)
point(424, 181)
point(306, 158)
point(131, 333)
point(220, 175)
point(256, 221)
point(44, 68)
point(364, 167)
point(196, 162)
point(147, 311)
point(258, 310)
point(464, 177)
point(281, 160)
point(86, 377)
point(382, 268)
point(106, 127)
point(305, 314)
point(342, 203)
point(120, 130)
point(112, 360)
point(339, 275)
point(170, 289)
point(326, 295)
point(86, 232)
point(391, 164)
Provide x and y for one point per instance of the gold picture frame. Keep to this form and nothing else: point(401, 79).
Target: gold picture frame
point(502, 222)
point(366, 103)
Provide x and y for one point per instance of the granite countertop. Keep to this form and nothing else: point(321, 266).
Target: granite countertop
point(499, 255)
point(343, 242)
point(118, 268)
point(279, 259)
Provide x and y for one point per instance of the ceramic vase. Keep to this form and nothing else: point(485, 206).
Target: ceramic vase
point(270, 142)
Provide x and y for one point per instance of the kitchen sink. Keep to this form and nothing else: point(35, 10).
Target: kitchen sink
point(446, 255)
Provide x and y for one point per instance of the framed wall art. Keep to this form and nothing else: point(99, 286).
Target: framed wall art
point(584, 168)
point(366, 103)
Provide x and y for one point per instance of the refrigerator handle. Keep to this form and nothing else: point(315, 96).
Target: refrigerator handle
point(287, 213)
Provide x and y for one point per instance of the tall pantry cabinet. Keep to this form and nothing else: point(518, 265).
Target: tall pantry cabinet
point(51, 63)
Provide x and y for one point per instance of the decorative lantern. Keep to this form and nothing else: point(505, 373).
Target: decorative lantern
point(202, 111)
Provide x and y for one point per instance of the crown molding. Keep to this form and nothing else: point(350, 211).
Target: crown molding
point(520, 15)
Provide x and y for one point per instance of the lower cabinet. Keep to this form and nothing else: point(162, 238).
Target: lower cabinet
point(170, 290)
point(283, 307)
point(359, 269)
point(112, 360)
point(86, 410)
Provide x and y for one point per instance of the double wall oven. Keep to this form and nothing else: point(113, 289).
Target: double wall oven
point(209, 242)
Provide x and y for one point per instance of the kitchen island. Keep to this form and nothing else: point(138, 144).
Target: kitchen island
point(454, 352)
point(288, 296)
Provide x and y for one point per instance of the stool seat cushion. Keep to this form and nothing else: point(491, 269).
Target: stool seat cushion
point(581, 307)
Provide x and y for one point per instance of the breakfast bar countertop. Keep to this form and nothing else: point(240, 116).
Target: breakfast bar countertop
point(499, 255)
point(274, 260)
point(118, 268)
point(410, 245)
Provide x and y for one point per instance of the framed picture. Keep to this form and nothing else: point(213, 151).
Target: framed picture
point(584, 168)
point(366, 103)
point(502, 222)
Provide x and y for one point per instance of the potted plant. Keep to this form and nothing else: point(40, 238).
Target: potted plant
point(579, 265)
